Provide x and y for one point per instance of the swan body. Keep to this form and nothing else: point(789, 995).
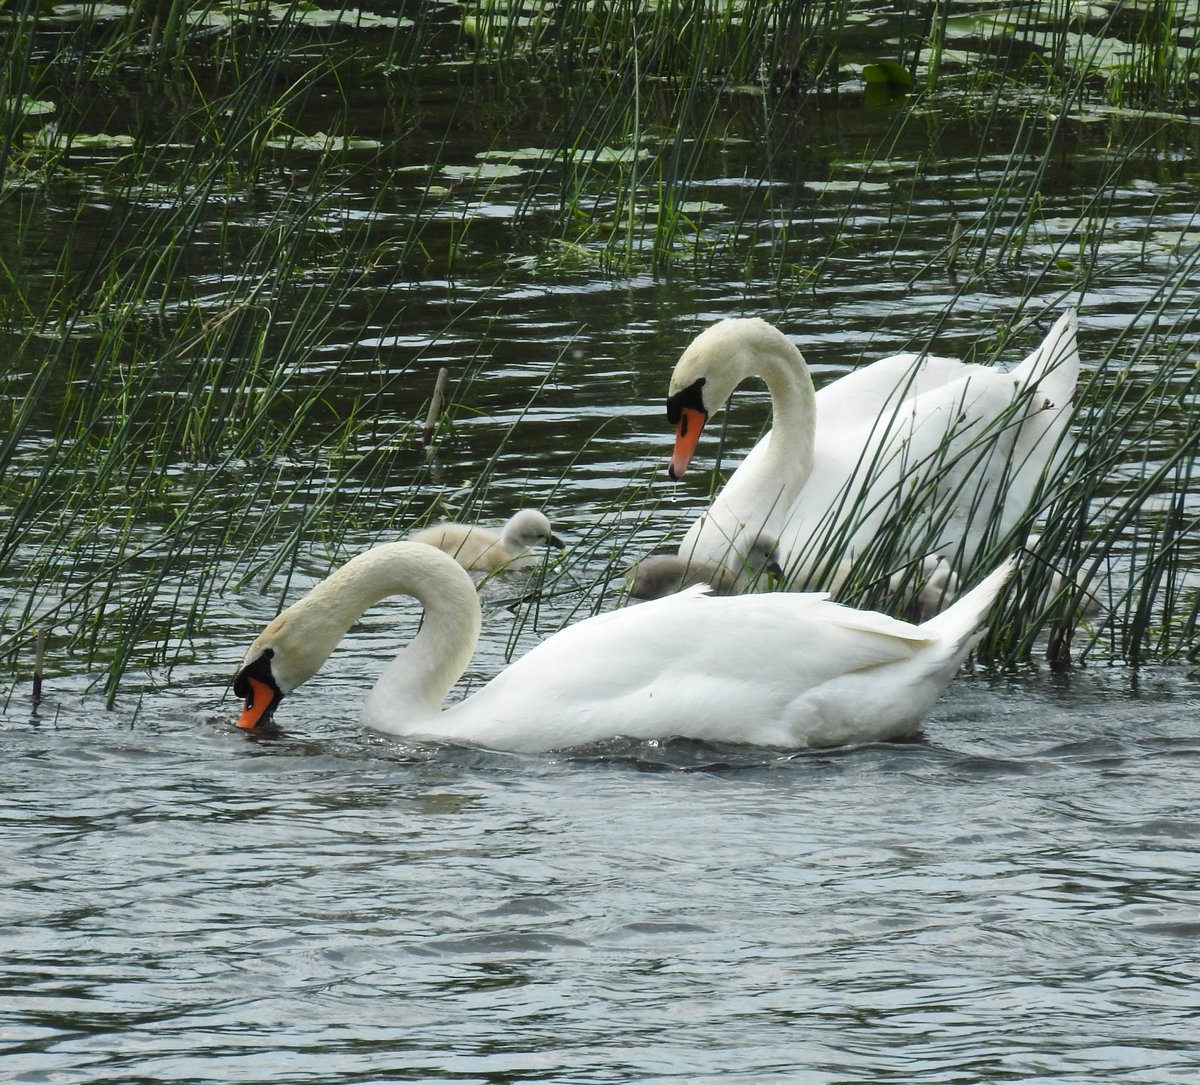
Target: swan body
point(483, 549)
point(783, 670)
point(911, 460)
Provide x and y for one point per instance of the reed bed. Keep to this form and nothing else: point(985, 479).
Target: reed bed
point(201, 221)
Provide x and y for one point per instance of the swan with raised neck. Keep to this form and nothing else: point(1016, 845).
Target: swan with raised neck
point(719, 359)
point(914, 461)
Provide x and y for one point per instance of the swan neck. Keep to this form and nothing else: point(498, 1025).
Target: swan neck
point(424, 671)
point(789, 454)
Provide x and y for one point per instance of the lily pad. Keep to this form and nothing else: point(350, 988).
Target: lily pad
point(30, 107)
point(486, 171)
point(304, 15)
point(323, 142)
point(888, 73)
point(847, 186)
point(522, 154)
point(92, 13)
point(103, 140)
point(614, 155)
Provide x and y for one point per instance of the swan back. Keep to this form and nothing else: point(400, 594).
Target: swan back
point(779, 669)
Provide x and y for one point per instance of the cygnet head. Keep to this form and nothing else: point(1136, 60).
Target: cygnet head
point(664, 574)
point(714, 364)
point(526, 529)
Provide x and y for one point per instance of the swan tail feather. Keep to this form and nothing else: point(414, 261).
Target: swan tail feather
point(959, 625)
point(1054, 367)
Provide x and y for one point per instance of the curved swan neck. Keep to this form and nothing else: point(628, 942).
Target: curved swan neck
point(424, 671)
point(793, 406)
point(764, 351)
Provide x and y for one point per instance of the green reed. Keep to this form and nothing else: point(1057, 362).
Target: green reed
point(161, 399)
point(151, 400)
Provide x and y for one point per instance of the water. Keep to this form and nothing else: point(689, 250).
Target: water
point(1010, 898)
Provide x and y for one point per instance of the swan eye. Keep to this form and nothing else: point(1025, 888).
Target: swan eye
point(692, 396)
point(260, 668)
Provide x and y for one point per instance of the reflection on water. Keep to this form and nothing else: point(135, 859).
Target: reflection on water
point(1013, 896)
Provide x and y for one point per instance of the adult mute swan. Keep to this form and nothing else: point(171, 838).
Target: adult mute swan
point(912, 461)
point(784, 670)
point(480, 548)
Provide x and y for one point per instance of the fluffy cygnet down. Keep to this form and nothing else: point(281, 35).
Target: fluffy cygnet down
point(487, 550)
point(665, 574)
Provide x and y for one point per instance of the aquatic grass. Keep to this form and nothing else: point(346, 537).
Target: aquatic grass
point(196, 419)
point(122, 425)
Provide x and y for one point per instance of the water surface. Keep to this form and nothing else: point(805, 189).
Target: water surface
point(1012, 897)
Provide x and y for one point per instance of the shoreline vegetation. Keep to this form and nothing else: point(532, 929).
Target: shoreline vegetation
point(222, 221)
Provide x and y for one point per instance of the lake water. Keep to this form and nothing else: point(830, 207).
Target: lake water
point(1013, 897)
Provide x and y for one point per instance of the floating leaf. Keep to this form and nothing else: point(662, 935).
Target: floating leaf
point(323, 142)
point(847, 186)
point(92, 13)
point(304, 15)
point(522, 154)
point(101, 139)
point(888, 72)
point(30, 107)
point(614, 155)
point(484, 172)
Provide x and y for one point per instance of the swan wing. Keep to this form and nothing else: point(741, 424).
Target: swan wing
point(950, 469)
point(867, 393)
point(745, 669)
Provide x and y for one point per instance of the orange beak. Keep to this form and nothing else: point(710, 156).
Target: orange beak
point(258, 705)
point(687, 435)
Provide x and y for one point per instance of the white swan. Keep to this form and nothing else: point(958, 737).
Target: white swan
point(784, 670)
point(914, 460)
point(481, 548)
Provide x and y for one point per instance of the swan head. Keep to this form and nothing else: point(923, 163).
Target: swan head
point(275, 664)
point(528, 528)
point(259, 690)
point(714, 364)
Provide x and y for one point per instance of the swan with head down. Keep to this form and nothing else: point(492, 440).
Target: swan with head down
point(915, 460)
point(782, 670)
